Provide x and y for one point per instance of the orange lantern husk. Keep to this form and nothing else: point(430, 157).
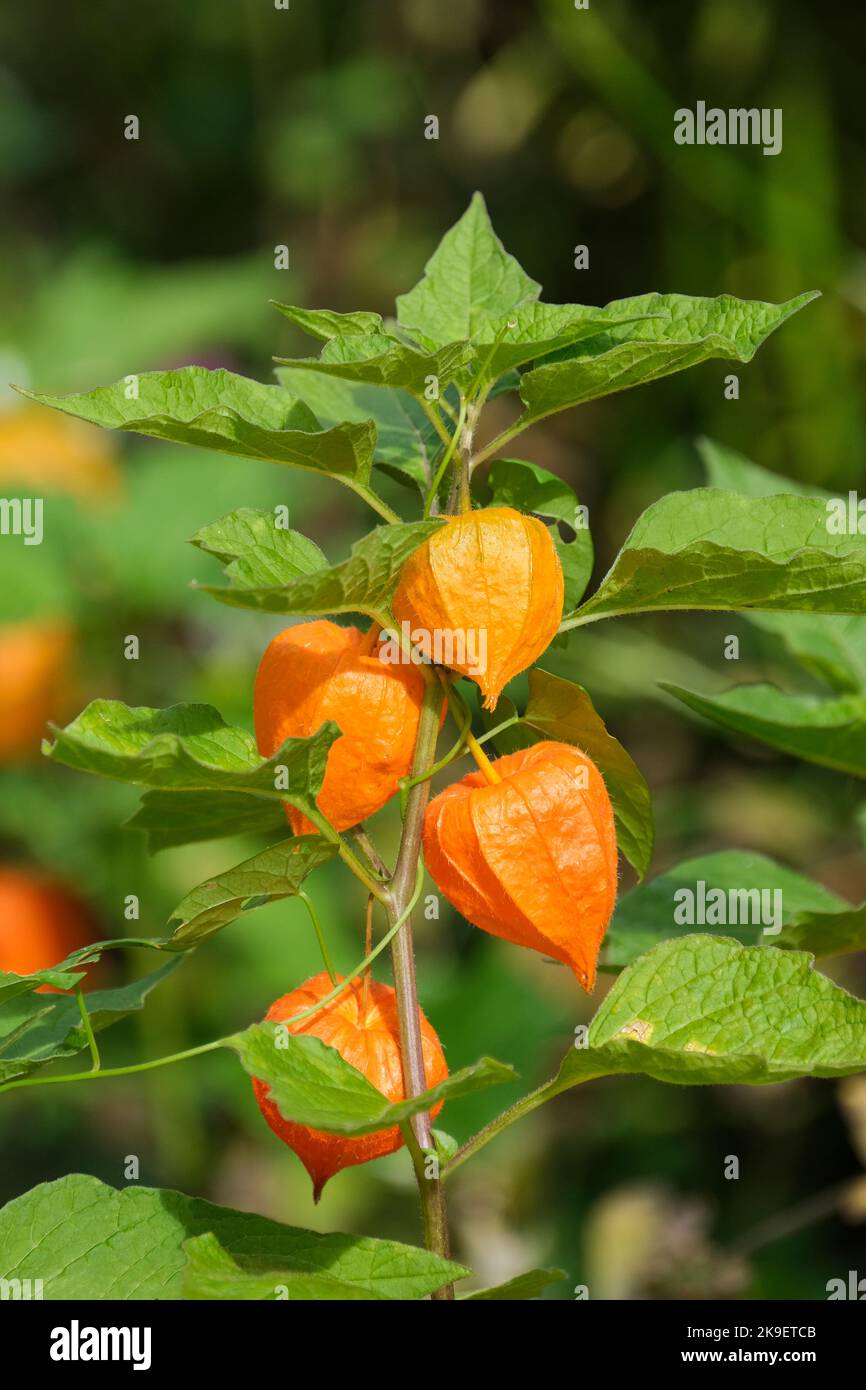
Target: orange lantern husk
point(530, 858)
point(318, 671)
point(483, 595)
point(363, 1025)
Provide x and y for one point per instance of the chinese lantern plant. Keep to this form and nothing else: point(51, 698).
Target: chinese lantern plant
point(467, 589)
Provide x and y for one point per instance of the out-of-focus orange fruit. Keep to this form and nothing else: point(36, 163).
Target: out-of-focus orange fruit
point(44, 449)
point(41, 923)
point(35, 661)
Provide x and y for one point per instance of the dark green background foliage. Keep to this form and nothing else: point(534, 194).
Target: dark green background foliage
point(261, 127)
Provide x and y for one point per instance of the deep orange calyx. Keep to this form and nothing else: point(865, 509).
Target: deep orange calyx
point(483, 596)
point(317, 671)
point(531, 858)
point(364, 1028)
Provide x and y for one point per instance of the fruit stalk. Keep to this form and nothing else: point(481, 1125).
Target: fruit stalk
point(431, 1190)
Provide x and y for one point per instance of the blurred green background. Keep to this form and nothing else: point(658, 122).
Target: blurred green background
point(261, 127)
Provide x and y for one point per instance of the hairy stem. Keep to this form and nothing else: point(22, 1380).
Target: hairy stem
point(431, 1190)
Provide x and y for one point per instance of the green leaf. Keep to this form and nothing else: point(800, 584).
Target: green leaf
point(810, 916)
point(39, 1028)
point(702, 1010)
point(171, 818)
point(256, 551)
point(523, 1286)
point(326, 323)
point(231, 414)
point(88, 1241)
point(534, 331)
point(190, 748)
point(212, 1273)
point(407, 441)
point(312, 1085)
point(278, 872)
point(376, 359)
point(445, 1144)
point(562, 710)
point(717, 550)
point(60, 976)
point(670, 332)
point(364, 583)
point(732, 471)
point(829, 732)
point(528, 488)
point(469, 282)
point(831, 646)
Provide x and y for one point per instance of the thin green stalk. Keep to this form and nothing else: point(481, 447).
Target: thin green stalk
point(500, 441)
point(446, 458)
point(88, 1028)
point(348, 856)
point(368, 960)
point(375, 502)
point(320, 935)
point(106, 1072)
point(436, 421)
point(578, 620)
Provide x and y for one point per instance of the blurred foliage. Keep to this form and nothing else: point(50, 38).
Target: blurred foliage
point(305, 128)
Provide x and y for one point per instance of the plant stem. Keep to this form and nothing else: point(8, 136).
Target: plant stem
point(431, 1190)
point(88, 1029)
point(107, 1072)
point(348, 856)
point(320, 935)
point(436, 421)
point(446, 458)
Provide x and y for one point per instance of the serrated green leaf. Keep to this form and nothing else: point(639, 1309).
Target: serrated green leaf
point(702, 1010)
point(230, 414)
point(562, 710)
point(172, 818)
point(469, 282)
point(375, 359)
point(277, 872)
point(528, 488)
point(312, 1085)
point(190, 748)
point(810, 916)
point(364, 583)
point(829, 732)
point(534, 331)
point(717, 550)
point(407, 440)
point(88, 1241)
point(326, 323)
point(522, 1287)
point(256, 551)
point(678, 332)
point(36, 1029)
